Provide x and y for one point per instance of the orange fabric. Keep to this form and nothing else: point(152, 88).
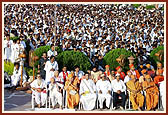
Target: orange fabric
point(72, 100)
point(131, 65)
point(158, 79)
point(117, 68)
point(151, 94)
point(137, 99)
point(137, 74)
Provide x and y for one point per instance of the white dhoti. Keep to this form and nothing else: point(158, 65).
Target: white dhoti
point(88, 101)
point(40, 97)
point(56, 97)
point(102, 98)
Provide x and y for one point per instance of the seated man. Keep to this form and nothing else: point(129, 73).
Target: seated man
point(119, 89)
point(136, 98)
point(55, 93)
point(72, 88)
point(38, 86)
point(88, 93)
point(16, 77)
point(104, 91)
point(152, 93)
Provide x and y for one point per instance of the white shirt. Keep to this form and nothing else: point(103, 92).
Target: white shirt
point(90, 86)
point(104, 86)
point(118, 85)
point(80, 74)
point(126, 79)
point(34, 84)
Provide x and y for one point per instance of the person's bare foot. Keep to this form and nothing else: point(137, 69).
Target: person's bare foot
point(139, 109)
point(61, 107)
point(38, 106)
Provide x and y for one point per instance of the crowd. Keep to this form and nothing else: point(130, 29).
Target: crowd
point(93, 29)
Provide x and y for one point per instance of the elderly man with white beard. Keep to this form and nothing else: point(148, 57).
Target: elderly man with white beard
point(88, 93)
point(104, 91)
point(38, 87)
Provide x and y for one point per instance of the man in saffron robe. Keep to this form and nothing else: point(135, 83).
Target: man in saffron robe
point(152, 93)
point(136, 98)
point(72, 88)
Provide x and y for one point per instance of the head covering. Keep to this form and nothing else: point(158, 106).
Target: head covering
point(117, 68)
point(148, 76)
point(141, 66)
point(148, 65)
point(143, 71)
point(131, 65)
point(117, 74)
point(159, 65)
point(107, 66)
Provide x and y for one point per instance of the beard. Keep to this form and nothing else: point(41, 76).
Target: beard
point(39, 81)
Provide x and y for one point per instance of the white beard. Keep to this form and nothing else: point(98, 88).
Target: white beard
point(39, 81)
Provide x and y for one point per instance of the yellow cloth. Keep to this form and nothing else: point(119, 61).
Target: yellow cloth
point(137, 99)
point(72, 100)
point(151, 95)
point(86, 92)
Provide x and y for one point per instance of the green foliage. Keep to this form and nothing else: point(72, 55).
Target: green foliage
point(110, 58)
point(14, 38)
point(39, 52)
point(73, 58)
point(8, 67)
point(30, 71)
point(136, 5)
point(149, 7)
point(154, 58)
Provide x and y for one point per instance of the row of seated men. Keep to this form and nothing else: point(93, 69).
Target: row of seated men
point(87, 92)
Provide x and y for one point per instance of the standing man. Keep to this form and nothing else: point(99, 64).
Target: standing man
point(88, 93)
point(50, 67)
point(119, 89)
point(119, 71)
point(78, 72)
point(41, 65)
point(7, 47)
point(104, 91)
point(64, 74)
point(107, 73)
point(133, 71)
point(38, 86)
point(51, 52)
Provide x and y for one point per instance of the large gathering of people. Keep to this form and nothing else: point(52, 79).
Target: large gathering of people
point(93, 29)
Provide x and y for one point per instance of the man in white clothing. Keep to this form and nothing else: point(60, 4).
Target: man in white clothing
point(78, 73)
point(7, 47)
point(119, 89)
point(88, 93)
point(16, 77)
point(104, 91)
point(64, 74)
point(51, 52)
point(50, 67)
point(55, 93)
point(127, 77)
point(38, 86)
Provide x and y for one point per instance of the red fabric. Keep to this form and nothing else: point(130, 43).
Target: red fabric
point(65, 75)
point(108, 73)
point(117, 68)
point(131, 65)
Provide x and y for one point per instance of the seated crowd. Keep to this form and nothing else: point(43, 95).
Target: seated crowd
point(94, 88)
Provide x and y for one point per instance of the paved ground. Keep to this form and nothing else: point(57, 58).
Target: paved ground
point(21, 101)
